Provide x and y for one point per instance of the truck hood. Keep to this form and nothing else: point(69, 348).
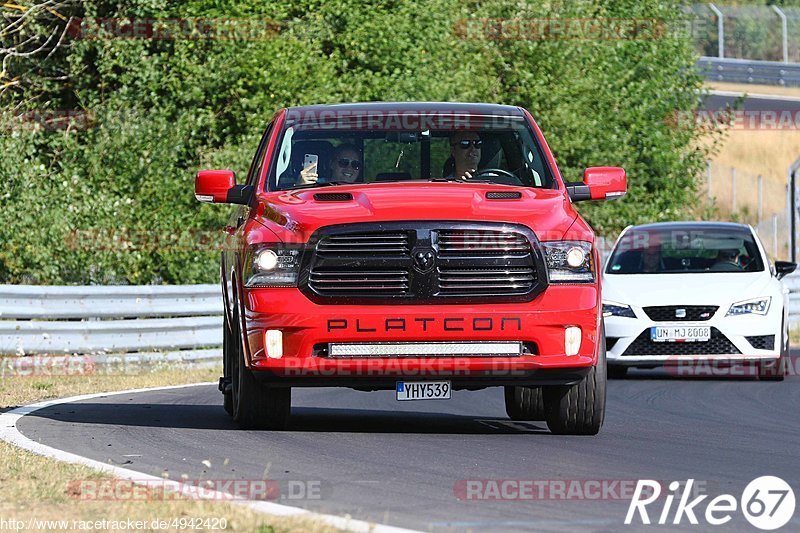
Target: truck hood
point(297, 214)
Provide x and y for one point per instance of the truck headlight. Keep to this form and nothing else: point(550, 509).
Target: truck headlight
point(272, 265)
point(617, 309)
point(569, 261)
point(756, 306)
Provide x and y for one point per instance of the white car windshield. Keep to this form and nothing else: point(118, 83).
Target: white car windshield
point(685, 249)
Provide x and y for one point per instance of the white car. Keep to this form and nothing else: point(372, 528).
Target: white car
point(697, 297)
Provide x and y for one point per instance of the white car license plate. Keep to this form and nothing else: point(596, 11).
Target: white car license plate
point(423, 390)
point(680, 333)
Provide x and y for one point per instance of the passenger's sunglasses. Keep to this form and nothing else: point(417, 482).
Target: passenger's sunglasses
point(344, 163)
point(477, 143)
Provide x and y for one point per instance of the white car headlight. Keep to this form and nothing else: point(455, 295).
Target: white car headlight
point(617, 309)
point(756, 306)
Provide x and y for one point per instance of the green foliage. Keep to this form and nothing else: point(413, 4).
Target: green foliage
point(102, 204)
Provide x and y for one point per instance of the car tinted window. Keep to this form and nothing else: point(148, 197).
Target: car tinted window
point(685, 250)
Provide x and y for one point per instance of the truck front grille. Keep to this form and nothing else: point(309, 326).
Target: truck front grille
point(423, 262)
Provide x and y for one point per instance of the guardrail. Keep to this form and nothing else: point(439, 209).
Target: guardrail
point(181, 322)
point(749, 71)
point(792, 282)
point(109, 319)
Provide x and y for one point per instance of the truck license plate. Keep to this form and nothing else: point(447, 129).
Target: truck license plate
point(423, 390)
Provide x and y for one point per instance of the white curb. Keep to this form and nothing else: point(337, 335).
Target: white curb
point(10, 433)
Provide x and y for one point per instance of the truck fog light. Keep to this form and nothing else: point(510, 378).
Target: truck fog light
point(273, 343)
point(572, 340)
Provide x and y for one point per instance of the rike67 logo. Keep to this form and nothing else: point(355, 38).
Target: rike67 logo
point(767, 503)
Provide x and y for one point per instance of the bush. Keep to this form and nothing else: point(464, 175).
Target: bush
point(103, 204)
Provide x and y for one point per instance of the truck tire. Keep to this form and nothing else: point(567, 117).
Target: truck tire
point(579, 409)
point(524, 403)
point(774, 370)
point(228, 352)
point(254, 405)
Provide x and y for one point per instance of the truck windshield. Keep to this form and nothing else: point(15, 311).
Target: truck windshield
point(317, 151)
point(685, 250)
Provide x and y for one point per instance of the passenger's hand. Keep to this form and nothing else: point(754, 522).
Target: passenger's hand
point(309, 176)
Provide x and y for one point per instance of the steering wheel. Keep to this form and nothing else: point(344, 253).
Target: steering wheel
point(498, 171)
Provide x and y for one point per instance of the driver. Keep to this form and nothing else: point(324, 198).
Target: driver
point(465, 148)
point(727, 261)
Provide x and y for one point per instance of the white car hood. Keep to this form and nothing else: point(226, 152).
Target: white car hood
point(685, 289)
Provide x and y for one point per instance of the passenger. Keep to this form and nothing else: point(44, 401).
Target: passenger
point(344, 166)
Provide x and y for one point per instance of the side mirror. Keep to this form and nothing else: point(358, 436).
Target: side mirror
point(784, 268)
point(599, 183)
point(606, 183)
point(219, 187)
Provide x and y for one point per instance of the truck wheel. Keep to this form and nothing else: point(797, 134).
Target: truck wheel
point(774, 370)
point(524, 403)
point(254, 405)
point(579, 409)
point(228, 352)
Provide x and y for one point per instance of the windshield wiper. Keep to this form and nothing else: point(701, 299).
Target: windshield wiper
point(318, 184)
point(461, 180)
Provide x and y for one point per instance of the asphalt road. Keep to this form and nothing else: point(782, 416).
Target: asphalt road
point(404, 463)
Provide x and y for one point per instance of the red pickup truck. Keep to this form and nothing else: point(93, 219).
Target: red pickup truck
point(414, 247)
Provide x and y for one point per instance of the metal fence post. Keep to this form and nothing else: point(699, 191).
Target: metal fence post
point(720, 30)
point(775, 236)
point(760, 197)
point(785, 28)
point(793, 171)
point(733, 190)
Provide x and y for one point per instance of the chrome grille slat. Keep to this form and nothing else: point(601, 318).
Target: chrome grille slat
point(365, 243)
point(474, 241)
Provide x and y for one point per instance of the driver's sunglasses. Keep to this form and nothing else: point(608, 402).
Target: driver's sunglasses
point(344, 163)
point(477, 143)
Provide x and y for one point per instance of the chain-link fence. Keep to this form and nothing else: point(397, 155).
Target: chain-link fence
point(767, 33)
point(755, 200)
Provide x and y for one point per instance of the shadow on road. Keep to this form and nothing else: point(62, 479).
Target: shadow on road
point(304, 419)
